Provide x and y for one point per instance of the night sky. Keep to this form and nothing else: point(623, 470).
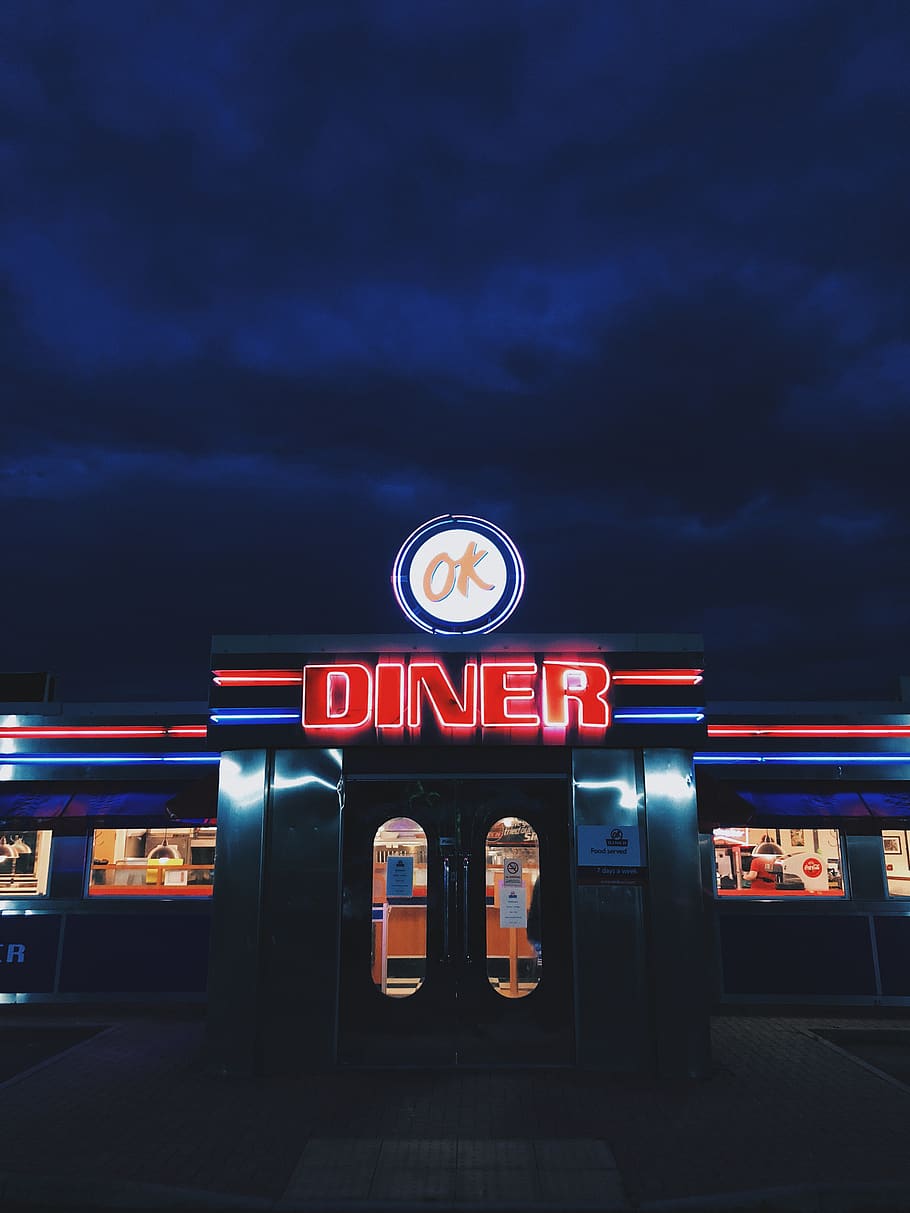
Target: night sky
point(282, 281)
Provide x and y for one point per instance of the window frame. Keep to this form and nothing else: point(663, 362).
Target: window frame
point(43, 852)
point(164, 891)
point(748, 896)
point(904, 834)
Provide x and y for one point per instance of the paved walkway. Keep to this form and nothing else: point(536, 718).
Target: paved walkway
point(131, 1119)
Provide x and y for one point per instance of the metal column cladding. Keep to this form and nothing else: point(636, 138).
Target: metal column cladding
point(235, 958)
point(677, 935)
point(613, 1023)
point(301, 911)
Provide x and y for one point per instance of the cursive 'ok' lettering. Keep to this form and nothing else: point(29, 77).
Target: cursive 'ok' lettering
point(458, 574)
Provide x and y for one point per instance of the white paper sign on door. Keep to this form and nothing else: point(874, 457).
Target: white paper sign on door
point(513, 910)
point(399, 876)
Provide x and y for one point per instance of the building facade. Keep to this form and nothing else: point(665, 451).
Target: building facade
point(481, 850)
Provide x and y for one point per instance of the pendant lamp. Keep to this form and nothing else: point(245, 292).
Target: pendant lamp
point(6, 851)
point(162, 853)
point(767, 847)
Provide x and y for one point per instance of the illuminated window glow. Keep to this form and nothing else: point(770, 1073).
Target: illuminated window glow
point(24, 862)
point(772, 863)
point(399, 951)
point(158, 862)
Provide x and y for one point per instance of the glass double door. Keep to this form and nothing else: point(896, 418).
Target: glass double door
point(456, 940)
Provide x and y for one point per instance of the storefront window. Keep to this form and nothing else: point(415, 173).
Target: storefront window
point(897, 861)
point(399, 955)
point(24, 861)
point(513, 907)
point(153, 862)
point(797, 862)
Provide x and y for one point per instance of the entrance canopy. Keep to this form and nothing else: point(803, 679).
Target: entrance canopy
point(33, 805)
point(735, 803)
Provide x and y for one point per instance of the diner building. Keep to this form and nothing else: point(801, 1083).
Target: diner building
point(453, 847)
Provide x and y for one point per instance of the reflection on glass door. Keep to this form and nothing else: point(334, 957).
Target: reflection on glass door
point(513, 936)
point(399, 907)
point(447, 955)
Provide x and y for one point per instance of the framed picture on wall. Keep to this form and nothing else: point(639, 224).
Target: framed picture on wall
point(892, 845)
point(797, 838)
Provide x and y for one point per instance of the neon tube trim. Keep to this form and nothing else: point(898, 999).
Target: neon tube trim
point(784, 759)
point(88, 731)
point(809, 730)
point(261, 715)
point(643, 678)
point(659, 715)
point(336, 672)
point(90, 759)
point(439, 626)
point(257, 678)
point(380, 694)
point(525, 694)
point(418, 689)
point(556, 715)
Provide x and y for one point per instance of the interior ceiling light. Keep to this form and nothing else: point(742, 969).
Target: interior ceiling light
point(163, 853)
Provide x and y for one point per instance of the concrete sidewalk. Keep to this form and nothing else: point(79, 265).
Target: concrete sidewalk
point(131, 1119)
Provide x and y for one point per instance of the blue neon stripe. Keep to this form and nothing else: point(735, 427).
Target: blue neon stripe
point(730, 759)
point(660, 715)
point(254, 715)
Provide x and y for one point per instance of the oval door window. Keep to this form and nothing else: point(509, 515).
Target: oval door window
point(399, 953)
point(513, 907)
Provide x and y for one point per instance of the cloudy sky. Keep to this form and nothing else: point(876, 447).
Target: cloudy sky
point(278, 282)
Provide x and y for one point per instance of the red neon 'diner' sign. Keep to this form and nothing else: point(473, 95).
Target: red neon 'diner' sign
point(347, 696)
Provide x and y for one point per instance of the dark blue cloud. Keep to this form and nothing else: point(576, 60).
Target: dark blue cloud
point(277, 283)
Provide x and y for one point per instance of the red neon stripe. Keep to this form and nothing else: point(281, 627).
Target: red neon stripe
point(101, 730)
point(265, 678)
point(658, 678)
point(809, 730)
point(257, 678)
point(80, 730)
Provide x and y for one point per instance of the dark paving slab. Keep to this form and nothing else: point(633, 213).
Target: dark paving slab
point(132, 1112)
point(23, 1047)
point(887, 1050)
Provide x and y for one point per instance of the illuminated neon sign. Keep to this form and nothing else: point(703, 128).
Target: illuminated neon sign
point(395, 695)
point(458, 575)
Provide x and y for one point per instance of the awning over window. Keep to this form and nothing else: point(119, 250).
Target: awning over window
point(193, 803)
point(722, 803)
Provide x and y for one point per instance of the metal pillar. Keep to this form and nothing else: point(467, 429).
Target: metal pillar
point(613, 1029)
point(235, 955)
point(681, 1014)
point(301, 912)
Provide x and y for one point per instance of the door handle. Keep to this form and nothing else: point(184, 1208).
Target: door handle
point(446, 906)
point(465, 905)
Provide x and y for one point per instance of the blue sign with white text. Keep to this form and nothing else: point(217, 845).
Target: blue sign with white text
point(28, 952)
